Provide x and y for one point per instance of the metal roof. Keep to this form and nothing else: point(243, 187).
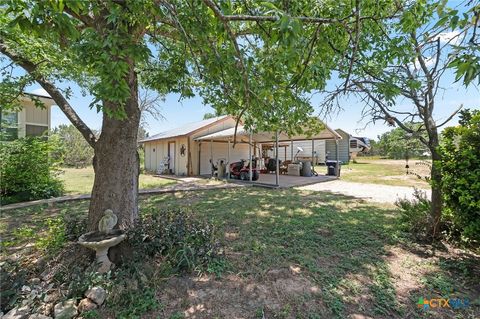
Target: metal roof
point(39, 93)
point(326, 134)
point(184, 130)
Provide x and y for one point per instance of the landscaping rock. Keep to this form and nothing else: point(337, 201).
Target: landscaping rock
point(17, 313)
point(39, 316)
point(86, 305)
point(65, 310)
point(97, 295)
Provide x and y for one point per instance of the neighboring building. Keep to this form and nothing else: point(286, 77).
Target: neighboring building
point(30, 120)
point(190, 150)
point(348, 147)
point(342, 145)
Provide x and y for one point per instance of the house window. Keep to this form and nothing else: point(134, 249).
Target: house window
point(353, 144)
point(9, 126)
point(35, 130)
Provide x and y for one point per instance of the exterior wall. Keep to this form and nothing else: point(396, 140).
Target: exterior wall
point(201, 165)
point(32, 115)
point(318, 147)
point(343, 148)
point(219, 151)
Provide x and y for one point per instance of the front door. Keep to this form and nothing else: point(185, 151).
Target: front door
point(171, 157)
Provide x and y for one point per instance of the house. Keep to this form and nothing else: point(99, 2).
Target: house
point(348, 147)
point(30, 120)
point(191, 149)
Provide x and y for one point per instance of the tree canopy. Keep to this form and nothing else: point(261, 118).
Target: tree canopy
point(255, 60)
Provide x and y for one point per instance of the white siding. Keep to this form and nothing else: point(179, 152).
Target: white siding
point(285, 152)
point(220, 151)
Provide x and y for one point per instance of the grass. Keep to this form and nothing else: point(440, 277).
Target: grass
point(386, 172)
point(80, 180)
point(296, 254)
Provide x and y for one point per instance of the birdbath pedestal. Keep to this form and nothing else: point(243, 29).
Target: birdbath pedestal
point(103, 239)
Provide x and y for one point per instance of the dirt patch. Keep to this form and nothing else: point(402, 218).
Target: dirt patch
point(283, 291)
point(404, 269)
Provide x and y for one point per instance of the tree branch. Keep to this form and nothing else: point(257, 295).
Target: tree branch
point(451, 116)
point(56, 95)
point(221, 17)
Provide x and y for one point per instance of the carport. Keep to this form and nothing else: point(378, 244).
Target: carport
point(256, 139)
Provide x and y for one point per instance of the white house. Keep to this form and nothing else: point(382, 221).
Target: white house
point(190, 149)
point(30, 120)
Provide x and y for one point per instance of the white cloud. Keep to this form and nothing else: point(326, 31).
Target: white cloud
point(452, 37)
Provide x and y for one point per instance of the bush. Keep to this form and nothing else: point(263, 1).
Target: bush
point(460, 167)
point(186, 243)
point(28, 171)
point(415, 214)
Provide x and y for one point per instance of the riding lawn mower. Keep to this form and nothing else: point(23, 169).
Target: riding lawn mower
point(241, 170)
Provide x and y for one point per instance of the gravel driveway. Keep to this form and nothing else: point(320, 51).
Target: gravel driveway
point(370, 192)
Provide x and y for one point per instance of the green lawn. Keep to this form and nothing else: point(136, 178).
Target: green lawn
point(80, 180)
point(294, 254)
point(386, 172)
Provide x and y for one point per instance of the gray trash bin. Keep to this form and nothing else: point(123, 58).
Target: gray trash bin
point(332, 167)
point(306, 168)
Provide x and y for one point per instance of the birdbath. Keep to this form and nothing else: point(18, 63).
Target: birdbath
point(103, 239)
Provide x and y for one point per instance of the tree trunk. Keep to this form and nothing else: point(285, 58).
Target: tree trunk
point(436, 198)
point(116, 164)
point(436, 178)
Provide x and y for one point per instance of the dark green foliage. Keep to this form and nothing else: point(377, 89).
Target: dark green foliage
point(132, 293)
point(397, 144)
point(461, 176)
point(28, 171)
point(177, 234)
point(74, 149)
point(414, 214)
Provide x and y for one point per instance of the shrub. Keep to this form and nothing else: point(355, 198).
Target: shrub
point(186, 242)
point(460, 166)
point(415, 213)
point(28, 171)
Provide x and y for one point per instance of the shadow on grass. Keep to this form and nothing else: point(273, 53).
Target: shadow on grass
point(340, 244)
point(337, 241)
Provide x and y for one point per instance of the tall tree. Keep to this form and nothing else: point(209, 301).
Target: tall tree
point(397, 71)
point(75, 150)
point(253, 60)
point(399, 144)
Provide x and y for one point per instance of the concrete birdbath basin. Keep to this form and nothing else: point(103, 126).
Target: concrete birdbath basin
point(103, 239)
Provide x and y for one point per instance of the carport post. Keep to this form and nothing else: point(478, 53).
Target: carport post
point(277, 168)
point(291, 150)
point(211, 157)
point(250, 156)
point(336, 150)
point(228, 159)
point(313, 153)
